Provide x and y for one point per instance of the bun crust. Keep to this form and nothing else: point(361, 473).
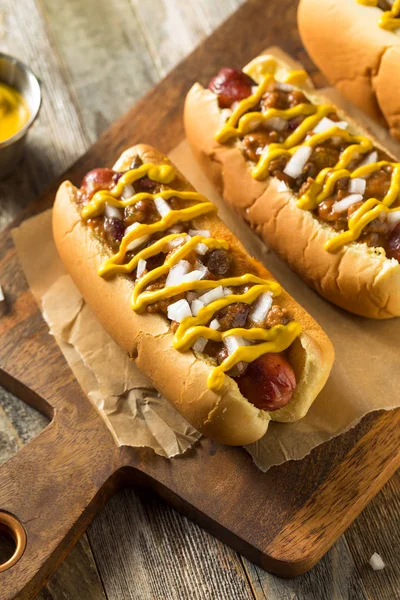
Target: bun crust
point(357, 278)
point(227, 416)
point(364, 65)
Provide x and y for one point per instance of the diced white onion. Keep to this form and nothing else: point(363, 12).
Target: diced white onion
point(277, 123)
point(393, 218)
point(261, 307)
point(128, 191)
point(213, 295)
point(227, 291)
point(179, 310)
point(195, 275)
point(178, 241)
point(284, 87)
point(202, 232)
point(282, 187)
point(139, 241)
point(215, 324)
point(254, 88)
point(176, 228)
point(372, 157)
point(2, 298)
point(177, 272)
point(140, 268)
point(325, 124)
point(162, 206)
point(296, 164)
point(357, 186)
point(200, 345)
point(201, 249)
point(113, 211)
point(196, 306)
point(233, 342)
point(376, 562)
point(345, 203)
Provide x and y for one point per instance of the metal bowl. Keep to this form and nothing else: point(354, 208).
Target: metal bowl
point(15, 73)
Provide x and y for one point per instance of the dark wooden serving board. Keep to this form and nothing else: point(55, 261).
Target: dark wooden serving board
point(284, 520)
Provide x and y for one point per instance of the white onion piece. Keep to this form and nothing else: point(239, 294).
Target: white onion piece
point(212, 295)
point(284, 87)
point(202, 232)
point(277, 123)
point(282, 187)
point(372, 157)
point(254, 89)
point(201, 249)
point(176, 242)
point(179, 310)
point(393, 218)
point(196, 306)
point(345, 203)
point(139, 241)
point(233, 342)
point(128, 191)
point(261, 307)
point(357, 186)
point(140, 268)
point(195, 275)
point(176, 229)
point(2, 298)
point(113, 211)
point(376, 562)
point(161, 206)
point(200, 345)
point(177, 272)
point(265, 151)
point(325, 124)
point(227, 291)
point(215, 324)
point(296, 164)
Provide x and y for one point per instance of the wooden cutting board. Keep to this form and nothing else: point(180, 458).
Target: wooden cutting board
point(56, 484)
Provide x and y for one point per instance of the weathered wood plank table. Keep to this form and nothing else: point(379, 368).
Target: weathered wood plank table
point(95, 59)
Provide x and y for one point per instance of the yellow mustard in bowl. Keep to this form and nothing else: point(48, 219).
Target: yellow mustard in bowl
point(14, 112)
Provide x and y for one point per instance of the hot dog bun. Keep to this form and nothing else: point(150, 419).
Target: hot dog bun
point(357, 278)
point(181, 377)
point(364, 62)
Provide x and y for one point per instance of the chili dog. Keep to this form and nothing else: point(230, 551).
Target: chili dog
point(365, 63)
point(310, 182)
point(218, 336)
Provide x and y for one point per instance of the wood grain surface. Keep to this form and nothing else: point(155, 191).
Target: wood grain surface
point(138, 547)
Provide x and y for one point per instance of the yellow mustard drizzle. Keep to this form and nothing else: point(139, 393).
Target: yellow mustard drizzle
point(276, 339)
point(241, 122)
point(14, 112)
point(390, 18)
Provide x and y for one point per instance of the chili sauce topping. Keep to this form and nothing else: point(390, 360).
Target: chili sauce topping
point(341, 177)
point(182, 273)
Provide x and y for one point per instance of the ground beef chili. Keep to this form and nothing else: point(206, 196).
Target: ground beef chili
point(219, 262)
point(326, 155)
